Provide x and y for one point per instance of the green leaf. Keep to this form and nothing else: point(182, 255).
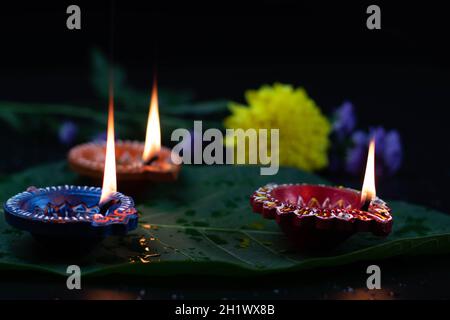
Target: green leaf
point(203, 224)
point(200, 110)
point(11, 119)
point(129, 125)
point(124, 94)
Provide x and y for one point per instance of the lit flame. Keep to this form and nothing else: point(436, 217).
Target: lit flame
point(109, 175)
point(368, 190)
point(153, 134)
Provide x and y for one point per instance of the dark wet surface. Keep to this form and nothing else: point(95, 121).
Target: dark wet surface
point(402, 278)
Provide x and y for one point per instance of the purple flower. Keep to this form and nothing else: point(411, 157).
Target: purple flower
point(67, 132)
point(355, 156)
point(388, 148)
point(392, 152)
point(354, 161)
point(380, 136)
point(345, 120)
point(360, 138)
point(100, 137)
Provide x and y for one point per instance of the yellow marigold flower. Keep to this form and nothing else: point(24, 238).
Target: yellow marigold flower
point(304, 130)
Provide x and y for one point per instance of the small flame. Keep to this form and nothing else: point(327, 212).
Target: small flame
point(153, 134)
point(109, 175)
point(368, 190)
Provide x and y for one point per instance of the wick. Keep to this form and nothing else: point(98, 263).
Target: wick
point(151, 160)
point(365, 206)
point(104, 208)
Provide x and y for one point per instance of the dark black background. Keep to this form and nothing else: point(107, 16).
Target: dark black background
point(397, 77)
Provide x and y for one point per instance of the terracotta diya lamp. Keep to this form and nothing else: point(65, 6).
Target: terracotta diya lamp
point(79, 213)
point(88, 160)
point(318, 217)
point(136, 161)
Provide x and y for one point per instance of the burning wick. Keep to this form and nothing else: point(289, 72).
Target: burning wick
point(150, 161)
point(365, 206)
point(368, 190)
point(109, 176)
point(104, 208)
point(153, 135)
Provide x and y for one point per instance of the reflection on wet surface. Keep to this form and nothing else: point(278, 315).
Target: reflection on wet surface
point(363, 294)
point(146, 255)
point(104, 294)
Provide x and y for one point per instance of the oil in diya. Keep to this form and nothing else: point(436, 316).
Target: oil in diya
point(319, 217)
point(75, 215)
point(136, 161)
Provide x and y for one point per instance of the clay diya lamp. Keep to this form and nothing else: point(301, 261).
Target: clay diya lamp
point(70, 212)
point(318, 217)
point(79, 215)
point(136, 161)
point(88, 160)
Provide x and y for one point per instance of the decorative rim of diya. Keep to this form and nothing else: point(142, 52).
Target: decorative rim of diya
point(82, 159)
point(319, 216)
point(70, 211)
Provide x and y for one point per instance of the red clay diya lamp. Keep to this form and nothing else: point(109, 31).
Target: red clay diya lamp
point(79, 215)
point(319, 217)
point(136, 161)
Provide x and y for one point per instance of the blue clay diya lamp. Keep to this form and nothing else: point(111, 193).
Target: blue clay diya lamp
point(71, 212)
point(79, 215)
